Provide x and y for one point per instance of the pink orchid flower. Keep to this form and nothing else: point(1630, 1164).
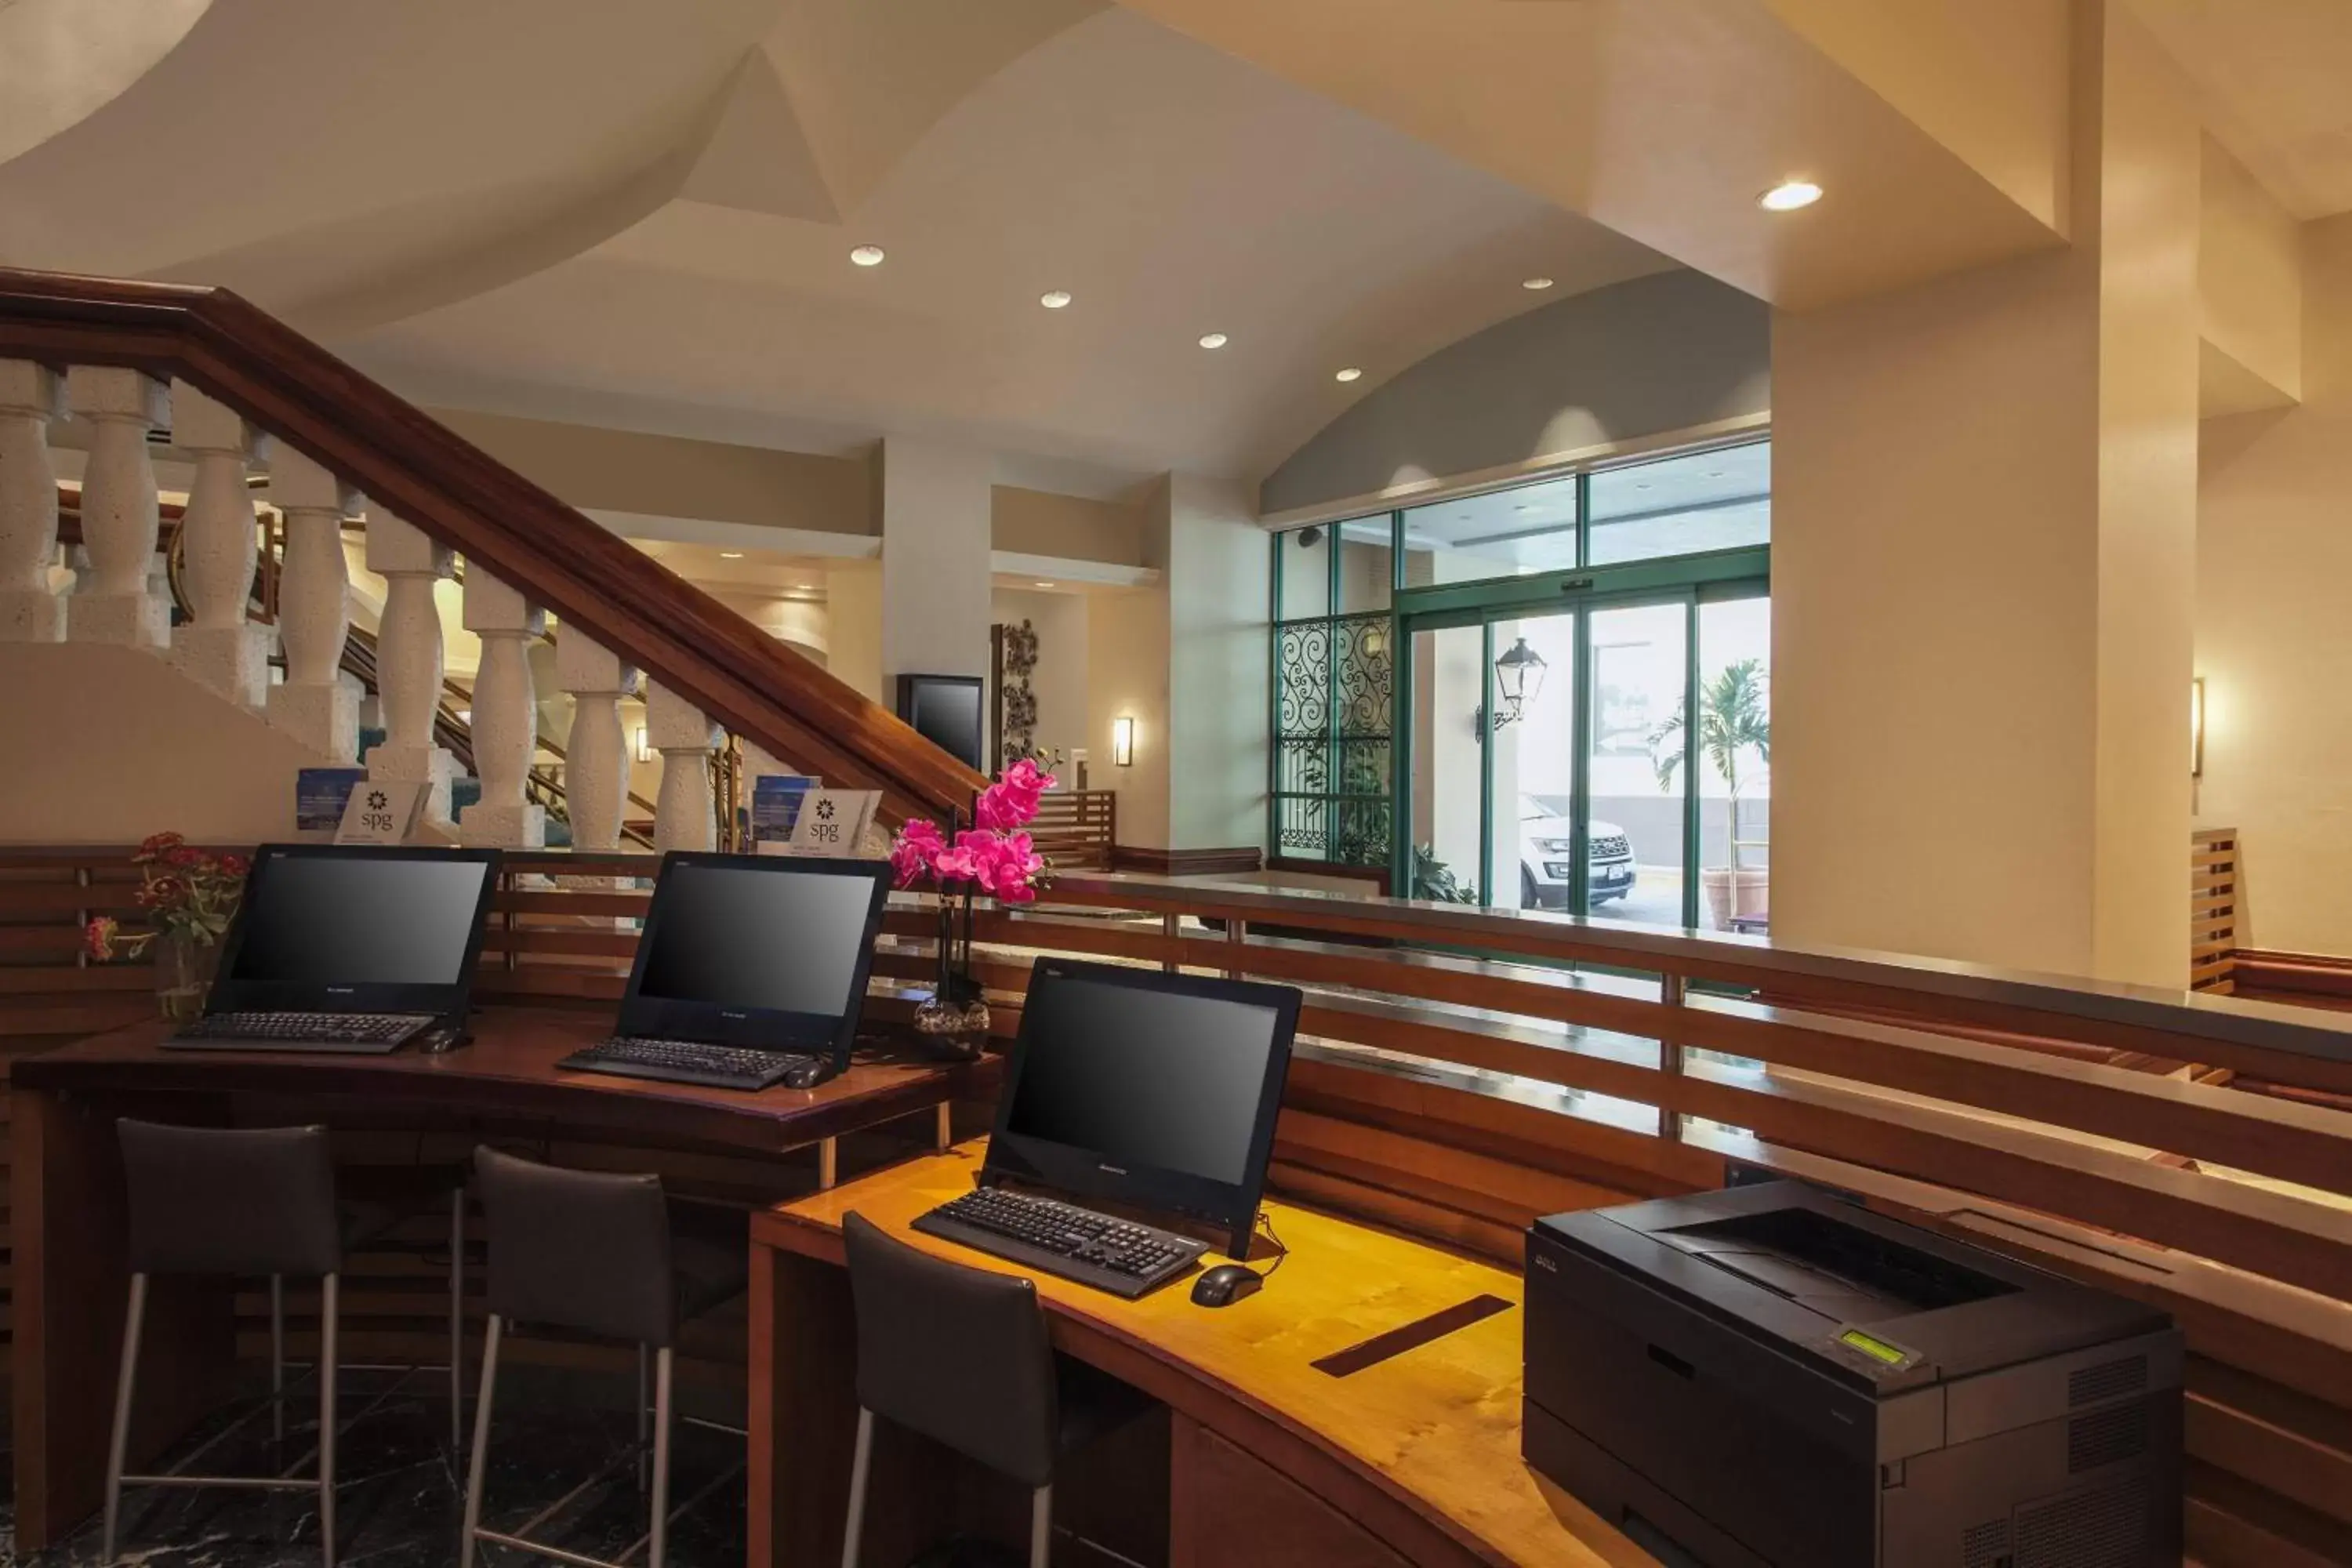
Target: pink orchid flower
point(912, 852)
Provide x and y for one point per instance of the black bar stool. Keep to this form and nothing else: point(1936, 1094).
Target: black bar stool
point(961, 1356)
point(236, 1200)
point(601, 1254)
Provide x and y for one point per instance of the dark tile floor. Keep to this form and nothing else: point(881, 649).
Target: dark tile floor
point(401, 1496)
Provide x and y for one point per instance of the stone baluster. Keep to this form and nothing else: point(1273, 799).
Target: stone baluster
point(319, 704)
point(220, 647)
point(683, 817)
point(506, 715)
point(597, 756)
point(30, 397)
point(408, 660)
point(118, 509)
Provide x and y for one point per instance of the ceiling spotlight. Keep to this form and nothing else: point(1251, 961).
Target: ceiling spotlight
point(1213, 340)
point(1536, 284)
point(1044, 585)
point(1350, 374)
point(731, 555)
point(1788, 196)
point(1055, 299)
point(867, 256)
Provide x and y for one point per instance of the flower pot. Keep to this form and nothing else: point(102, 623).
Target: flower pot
point(1750, 897)
point(183, 974)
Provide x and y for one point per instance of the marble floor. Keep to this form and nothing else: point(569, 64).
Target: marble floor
point(401, 1496)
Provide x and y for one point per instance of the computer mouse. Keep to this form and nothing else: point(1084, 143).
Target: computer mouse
point(808, 1074)
point(1225, 1285)
point(440, 1039)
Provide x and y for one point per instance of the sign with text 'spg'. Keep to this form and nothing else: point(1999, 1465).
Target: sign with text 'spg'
point(834, 821)
point(380, 812)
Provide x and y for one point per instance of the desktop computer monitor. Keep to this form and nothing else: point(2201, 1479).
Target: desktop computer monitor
point(771, 952)
point(327, 928)
point(1152, 1090)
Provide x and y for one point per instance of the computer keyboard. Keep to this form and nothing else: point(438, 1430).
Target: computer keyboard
point(354, 1034)
point(686, 1061)
point(1114, 1255)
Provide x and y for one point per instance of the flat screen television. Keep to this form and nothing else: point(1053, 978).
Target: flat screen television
point(946, 711)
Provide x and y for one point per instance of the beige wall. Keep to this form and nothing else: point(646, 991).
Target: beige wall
point(2273, 635)
point(665, 476)
point(1073, 528)
point(853, 603)
point(1216, 568)
point(1126, 676)
point(109, 745)
point(1059, 681)
point(2250, 283)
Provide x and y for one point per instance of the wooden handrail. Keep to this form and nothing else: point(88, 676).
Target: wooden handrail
point(461, 497)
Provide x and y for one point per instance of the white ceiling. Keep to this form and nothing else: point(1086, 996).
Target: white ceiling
point(2276, 78)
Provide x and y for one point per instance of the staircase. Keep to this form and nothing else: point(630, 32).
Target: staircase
point(266, 625)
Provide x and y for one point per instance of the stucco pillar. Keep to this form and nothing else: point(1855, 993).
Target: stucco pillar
point(506, 714)
point(318, 702)
point(220, 646)
point(118, 509)
point(30, 398)
point(596, 755)
point(684, 816)
point(408, 659)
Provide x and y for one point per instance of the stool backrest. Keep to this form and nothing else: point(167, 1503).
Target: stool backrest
point(959, 1354)
point(577, 1249)
point(223, 1200)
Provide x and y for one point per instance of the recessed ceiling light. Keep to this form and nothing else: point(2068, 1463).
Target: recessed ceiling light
point(1536, 284)
point(1350, 374)
point(1213, 340)
point(867, 255)
point(1788, 196)
point(1642, 485)
point(731, 555)
point(1044, 585)
point(1714, 473)
point(1055, 300)
point(1523, 507)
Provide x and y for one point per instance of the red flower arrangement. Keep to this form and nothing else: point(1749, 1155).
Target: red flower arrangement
point(186, 892)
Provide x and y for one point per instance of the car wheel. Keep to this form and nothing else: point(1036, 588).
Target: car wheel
point(1527, 888)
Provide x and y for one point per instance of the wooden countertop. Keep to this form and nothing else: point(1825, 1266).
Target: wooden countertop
point(510, 1069)
point(1436, 1426)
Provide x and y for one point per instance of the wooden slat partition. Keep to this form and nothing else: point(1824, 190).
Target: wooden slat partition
point(1075, 828)
point(1461, 1071)
point(2216, 909)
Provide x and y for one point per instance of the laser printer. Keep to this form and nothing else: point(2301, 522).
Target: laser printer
point(1772, 1376)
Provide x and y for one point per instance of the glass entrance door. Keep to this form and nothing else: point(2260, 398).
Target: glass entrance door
point(1553, 765)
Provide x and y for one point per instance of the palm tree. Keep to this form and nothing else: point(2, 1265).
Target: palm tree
point(1733, 715)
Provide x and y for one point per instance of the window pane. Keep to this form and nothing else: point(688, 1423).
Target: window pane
point(1306, 559)
point(1363, 693)
point(1639, 668)
point(1735, 769)
point(1504, 534)
point(1680, 506)
point(1533, 741)
point(1447, 688)
point(1366, 568)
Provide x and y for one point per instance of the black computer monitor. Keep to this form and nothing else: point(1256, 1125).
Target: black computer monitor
point(332, 928)
point(1148, 1088)
point(945, 710)
point(766, 952)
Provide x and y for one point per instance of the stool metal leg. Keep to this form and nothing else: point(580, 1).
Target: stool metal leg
point(277, 1357)
point(645, 1414)
point(655, 1554)
point(475, 1469)
point(457, 1322)
point(134, 1321)
point(853, 1533)
point(1041, 1526)
point(330, 1314)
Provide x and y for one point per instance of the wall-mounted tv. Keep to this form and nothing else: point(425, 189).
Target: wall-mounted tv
point(946, 711)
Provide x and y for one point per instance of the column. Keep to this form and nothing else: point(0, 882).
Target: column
point(219, 647)
point(597, 756)
point(319, 703)
point(30, 397)
point(683, 817)
point(506, 714)
point(408, 659)
point(1983, 572)
point(118, 509)
point(936, 520)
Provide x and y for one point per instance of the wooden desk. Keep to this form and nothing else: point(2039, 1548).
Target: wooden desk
point(68, 1207)
point(1412, 1460)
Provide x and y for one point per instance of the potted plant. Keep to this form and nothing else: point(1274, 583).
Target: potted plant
point(995, 857)
point(189, 895)
point(1734, 716)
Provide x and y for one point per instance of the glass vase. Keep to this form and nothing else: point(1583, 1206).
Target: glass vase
point(183, 974)
point(953, 1020)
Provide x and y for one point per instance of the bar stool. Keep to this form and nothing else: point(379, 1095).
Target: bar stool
point(238, 1201)
point(991, 1389)
point(600, 1254)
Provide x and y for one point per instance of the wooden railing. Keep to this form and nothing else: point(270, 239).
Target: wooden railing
point(366, 438)
point(1075, 829)
point(2215, 908)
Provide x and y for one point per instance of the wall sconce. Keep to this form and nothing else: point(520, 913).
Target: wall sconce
point(644, 752)
point(1122, 742)
point(1519, 676)
point(2197, 728)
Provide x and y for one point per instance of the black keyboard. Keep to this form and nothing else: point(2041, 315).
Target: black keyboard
point(353, 1034)
point(1114, 1255)
point(685, 1061)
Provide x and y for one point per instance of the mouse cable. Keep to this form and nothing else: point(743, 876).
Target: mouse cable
point(1281, 1252)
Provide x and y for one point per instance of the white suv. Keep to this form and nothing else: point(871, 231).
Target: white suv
point(1546, 844)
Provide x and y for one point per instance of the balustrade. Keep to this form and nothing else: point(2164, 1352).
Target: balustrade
point(219, 647)
point(319, 704)
point(686, 738)
point(506, 714)
point(119, 519)
point(30, 398)
point(408, 658)
point(596, 755)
